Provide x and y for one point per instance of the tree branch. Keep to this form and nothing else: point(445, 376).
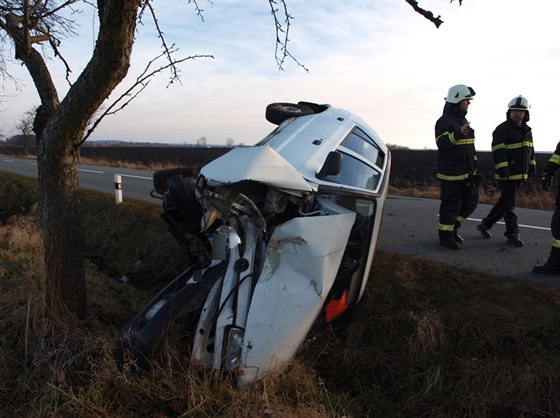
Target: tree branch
point(136, 88)
point(281, 51)
point(197, 9)
point(426, 13)
point(166, 50)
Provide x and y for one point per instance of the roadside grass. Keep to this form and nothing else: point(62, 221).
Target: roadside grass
point(429, 340)
point(149, 165)
point(531, 199)
point(426, 341)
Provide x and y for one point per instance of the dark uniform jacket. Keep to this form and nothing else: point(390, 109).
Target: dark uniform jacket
point(551, 169)
point(457, 159)
point(512, 151)
point(553, 162)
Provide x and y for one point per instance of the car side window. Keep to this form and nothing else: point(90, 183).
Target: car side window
point(359, 142)
point(356, 173)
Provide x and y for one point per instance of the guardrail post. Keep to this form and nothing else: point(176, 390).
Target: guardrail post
point(118, 189)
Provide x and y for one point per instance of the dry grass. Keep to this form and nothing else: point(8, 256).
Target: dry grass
point(54, 368)
point(426, 341)
point(151, 166)
point(429, 340)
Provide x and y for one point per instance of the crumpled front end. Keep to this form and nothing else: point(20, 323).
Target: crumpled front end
point(302, 259)
point(283, 248)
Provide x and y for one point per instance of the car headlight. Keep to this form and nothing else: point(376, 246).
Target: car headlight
point(154, 309)
point(234, 346)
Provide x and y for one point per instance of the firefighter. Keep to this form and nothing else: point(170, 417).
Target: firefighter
point(457, 164)
point(552, 265)
point(514, 162)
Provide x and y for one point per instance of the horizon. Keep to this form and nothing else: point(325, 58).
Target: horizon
point(152, 144)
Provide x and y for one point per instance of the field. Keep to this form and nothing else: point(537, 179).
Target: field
point(410, 168)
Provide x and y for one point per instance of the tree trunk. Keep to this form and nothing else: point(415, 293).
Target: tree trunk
point(62, 228)
point(59, 129)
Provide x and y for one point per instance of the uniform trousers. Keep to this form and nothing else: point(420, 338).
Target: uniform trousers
point(555, 222)
point(505, 208)
point(458, 201)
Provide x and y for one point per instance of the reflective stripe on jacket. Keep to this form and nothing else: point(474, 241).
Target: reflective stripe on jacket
point(457, 159)
point(513, 151)
point(554, 161)
point(551, 169)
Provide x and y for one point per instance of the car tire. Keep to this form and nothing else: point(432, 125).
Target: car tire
point(160, 177)
point(277, 113)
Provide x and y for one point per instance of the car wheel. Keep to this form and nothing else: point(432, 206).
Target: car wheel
point(160, 177)
point(278, 112)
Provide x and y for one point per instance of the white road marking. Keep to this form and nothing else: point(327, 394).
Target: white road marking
point(90, 171)
point(135, 177)
point(520, 225)
point(542, 228)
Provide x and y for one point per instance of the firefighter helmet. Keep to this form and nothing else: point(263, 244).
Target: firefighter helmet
point(459, 92)
point(519, 103)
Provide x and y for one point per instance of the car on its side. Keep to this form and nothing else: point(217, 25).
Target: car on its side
point(279, 240)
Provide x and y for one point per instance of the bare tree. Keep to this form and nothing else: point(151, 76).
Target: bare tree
point(229, 142)
point(25, 126)
point(61, 126)
point(202, 141)
point(2, 110)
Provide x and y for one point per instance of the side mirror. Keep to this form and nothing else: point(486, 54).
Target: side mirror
point(332, 165)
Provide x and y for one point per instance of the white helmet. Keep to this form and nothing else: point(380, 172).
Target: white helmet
point(458, 93)
point(519, 103)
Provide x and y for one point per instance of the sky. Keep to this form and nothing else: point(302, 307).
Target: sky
point(376, 58)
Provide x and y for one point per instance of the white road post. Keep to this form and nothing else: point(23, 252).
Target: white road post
point(118, 189)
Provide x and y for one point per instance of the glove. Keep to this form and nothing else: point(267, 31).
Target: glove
point(477, 179)
point(547, 179)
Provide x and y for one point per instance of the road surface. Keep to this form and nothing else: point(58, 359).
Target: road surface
point(136, 184)
point(409, 226)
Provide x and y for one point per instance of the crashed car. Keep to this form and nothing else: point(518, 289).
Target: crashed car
point(278, 239)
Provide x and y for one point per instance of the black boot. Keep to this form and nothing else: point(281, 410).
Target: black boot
point(513, 239)
point(552, 265)
point(447, 239)
point(484, 230)
point(456, 237)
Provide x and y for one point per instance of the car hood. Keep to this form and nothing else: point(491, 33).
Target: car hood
point(257, 163)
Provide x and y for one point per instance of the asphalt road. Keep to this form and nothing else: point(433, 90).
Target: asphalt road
point(409, 226)
point(136, 184)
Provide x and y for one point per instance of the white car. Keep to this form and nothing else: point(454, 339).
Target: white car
point(279, 240)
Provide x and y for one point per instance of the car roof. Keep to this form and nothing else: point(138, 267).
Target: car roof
point(305, 141)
